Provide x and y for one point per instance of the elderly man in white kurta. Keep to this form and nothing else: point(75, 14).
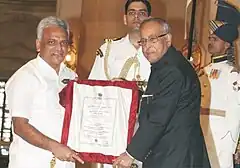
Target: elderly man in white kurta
point(33, 100)
point(224, 105)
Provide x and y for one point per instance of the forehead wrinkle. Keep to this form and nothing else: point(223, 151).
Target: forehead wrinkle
point(54, 29)
point(54, 35)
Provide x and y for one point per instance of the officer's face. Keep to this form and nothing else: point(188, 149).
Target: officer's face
point(216, 46)
point(53, 46)
point(136, 13)
point(154, 41)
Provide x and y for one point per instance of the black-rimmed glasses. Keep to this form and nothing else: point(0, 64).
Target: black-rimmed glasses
point(151, 39)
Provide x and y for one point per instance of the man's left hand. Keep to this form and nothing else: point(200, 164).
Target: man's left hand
point(123, 161)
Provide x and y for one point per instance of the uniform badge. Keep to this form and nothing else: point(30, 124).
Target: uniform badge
point(65, 81)
point(215, 73)
point(236, 86)
point(99, 52)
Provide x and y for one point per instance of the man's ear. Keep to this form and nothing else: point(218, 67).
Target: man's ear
point(227, 45)
point(38, 45)
point(125, 19)
point(169, 39)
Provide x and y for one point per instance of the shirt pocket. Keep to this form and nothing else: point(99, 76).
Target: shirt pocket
point(145, 102)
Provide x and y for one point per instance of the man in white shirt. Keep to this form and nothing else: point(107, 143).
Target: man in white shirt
point(33, 100)
point(123, 58)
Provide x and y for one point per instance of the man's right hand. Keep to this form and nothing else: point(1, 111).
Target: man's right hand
point(64, 153)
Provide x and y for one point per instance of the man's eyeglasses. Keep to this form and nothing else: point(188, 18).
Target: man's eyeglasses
point(151, 39)
point(139, 13)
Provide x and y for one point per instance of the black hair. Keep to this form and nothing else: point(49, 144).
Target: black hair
point(146, 2)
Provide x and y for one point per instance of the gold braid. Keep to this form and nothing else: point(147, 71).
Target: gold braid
point(53, 162)
point(108, 41)
point(126, 67)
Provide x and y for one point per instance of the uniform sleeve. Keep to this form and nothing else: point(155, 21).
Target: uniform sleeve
point(97, 71)
point(20, 94)
point(159, 114)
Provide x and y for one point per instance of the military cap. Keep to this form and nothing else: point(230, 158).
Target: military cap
point(228, 11)
point(225, 31)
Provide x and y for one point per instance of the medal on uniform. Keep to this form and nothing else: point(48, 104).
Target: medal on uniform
point(215, 73)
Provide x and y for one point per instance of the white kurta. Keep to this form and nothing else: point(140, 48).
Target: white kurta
point(120, 51)
point(225, 130)
point(32, 93)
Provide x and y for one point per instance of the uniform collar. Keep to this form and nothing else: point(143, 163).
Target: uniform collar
point(219, 58)
point(47, 70)
point(127, 40)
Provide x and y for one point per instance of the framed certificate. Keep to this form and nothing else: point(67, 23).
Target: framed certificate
point(99, 118)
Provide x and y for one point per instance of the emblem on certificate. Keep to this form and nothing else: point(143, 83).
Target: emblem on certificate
point(99, 118)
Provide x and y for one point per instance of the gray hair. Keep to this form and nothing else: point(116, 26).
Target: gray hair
point(166, 27)
point(51, 21)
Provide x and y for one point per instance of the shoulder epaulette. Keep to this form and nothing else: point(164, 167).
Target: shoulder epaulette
point(108, 40)
point(99, 52)
point(235, 69)
point(116, 39)
point(112, 39)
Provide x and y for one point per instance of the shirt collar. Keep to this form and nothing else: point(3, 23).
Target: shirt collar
point(219, 58)
point(47, 70)
point(127, 40)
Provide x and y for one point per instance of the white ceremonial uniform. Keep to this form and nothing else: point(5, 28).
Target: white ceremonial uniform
point(32, 93)
point(224, 129)
point(118, 52)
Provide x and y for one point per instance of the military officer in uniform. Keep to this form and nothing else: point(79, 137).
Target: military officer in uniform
point(229, 10)
point(220, 113)
point(122, 59)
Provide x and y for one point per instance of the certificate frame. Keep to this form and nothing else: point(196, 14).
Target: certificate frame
point(67, 92)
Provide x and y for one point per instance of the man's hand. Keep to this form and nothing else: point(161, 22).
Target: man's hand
point(64, 153)
point(123, 161)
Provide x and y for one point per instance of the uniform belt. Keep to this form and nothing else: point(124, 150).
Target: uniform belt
point(214, 112)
